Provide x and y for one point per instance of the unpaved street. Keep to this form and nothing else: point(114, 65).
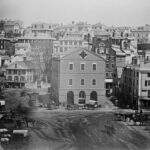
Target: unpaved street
point(83, 130)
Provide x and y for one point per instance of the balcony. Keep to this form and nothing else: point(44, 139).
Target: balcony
point(17, 81)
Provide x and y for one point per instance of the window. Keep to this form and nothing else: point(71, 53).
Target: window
point(23, 72)
point(19, 72)
point(107, 65)
point(82, 66)
point(15, 65)
point(75, 43)
point(70, 42)
point(70, 81)
point(137, 82)
point(148, 75)
point(16, 78)
point(71, 66)
point(137, 74)
point(61, 49)
point(66, 42)
point(147, 83)
point(9, 78)
point(9, 71)
point(94, 66)
point(15, 71)
point(22, 78)
point(148, 93)
point(82, 81)
point(93, 82)
point(112, 65)
point(107, 74)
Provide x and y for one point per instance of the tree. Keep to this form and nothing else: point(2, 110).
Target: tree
point(42, 56)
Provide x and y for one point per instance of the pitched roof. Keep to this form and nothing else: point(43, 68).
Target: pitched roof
point(23, 65)
point(69, 52)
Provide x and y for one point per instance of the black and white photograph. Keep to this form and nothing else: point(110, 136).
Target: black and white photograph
point(74, 75)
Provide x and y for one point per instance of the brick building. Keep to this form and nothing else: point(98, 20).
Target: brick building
point(136, 85)
point(78, 76)
point(101, 45)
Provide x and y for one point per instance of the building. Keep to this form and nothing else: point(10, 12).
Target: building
point(69, 41)
point(12, 28)
point(5, 43)
point(136, 84)
point(7, 46)
point(41, 44)
point(78, 76)
point(22, 48)
point(101, 45)
point(21, 72)
point(141, 34)
point(143, 49)
point(98, 26)
point(40, 30)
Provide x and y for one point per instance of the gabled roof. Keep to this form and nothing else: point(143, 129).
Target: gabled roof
point(23, 65)
point(71, 51)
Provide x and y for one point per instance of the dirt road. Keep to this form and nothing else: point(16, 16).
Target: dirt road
point(83, 130)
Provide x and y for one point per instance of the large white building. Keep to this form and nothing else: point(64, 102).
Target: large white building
point(69, 41)
point(141, 34)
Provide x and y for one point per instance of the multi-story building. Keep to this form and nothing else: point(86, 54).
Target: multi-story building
point(78, 76)
point(5, 43)
point(12, 28)
point(136, 84)
point(101, 45)
point(143, 49)
point(98, 26)
point(141, 34)
point(69, 41)
point(22, 48)
point(22, 52)
point(41, 42)
point(7, 46)
point(40, 30)
point(19, 73)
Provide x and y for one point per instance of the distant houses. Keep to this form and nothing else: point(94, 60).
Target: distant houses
point(81, 61)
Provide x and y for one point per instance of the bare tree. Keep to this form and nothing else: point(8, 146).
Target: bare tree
point(42, 57)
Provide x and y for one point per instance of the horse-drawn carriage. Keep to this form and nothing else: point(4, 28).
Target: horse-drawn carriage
point(91, 104)
point(138, 118)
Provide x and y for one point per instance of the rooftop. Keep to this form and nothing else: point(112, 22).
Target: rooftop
point(23, 65)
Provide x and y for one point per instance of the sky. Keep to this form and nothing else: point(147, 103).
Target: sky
point(109, 12)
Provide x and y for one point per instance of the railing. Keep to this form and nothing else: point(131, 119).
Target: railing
point(8, 80)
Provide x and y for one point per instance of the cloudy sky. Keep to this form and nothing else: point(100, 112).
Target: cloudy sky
point(109, 12)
